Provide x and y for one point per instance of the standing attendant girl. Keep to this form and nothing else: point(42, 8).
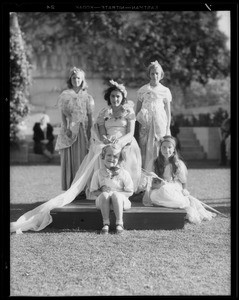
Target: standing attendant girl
point(171, 191)
point(113, 186)
point(76, 107)
point(153, 113)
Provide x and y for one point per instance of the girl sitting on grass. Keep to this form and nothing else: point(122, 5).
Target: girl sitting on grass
point(113, 186)
point(167, 184)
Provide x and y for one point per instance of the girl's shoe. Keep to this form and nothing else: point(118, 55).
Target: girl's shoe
point(119, 229)
point(105, 229)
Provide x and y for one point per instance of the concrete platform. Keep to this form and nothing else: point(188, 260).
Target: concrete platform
point(83, 214)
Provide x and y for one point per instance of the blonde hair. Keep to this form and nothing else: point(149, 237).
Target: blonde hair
point(155, 65)
point(73, 71)
point(113, 147)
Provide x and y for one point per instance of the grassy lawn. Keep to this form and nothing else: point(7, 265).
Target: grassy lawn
point(193, 261)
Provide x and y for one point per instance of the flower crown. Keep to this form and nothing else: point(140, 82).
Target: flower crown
point(75, 70)
point(155, 64)
point(119, 86)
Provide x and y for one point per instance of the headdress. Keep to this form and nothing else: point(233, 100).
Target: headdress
point(168, 138)
point(155, 64)
point(75, 70)
point(119, 86)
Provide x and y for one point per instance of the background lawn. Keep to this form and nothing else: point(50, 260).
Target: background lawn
point(193, 261)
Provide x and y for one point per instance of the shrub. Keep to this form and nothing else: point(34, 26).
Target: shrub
point(20, 79)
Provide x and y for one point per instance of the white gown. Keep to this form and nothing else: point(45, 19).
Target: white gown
point(171, 195)
point(152, 118)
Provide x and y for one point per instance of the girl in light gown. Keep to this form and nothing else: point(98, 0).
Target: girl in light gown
point(115, 124)
point(167, 184)
point(153, 113)
point(76, 106)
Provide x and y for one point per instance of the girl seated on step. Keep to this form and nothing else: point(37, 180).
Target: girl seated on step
point(113, 186)
point(167, 183)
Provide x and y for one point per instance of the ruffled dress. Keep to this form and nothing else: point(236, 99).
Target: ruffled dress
point(76, 107)
point(171, 195)
point(152, 118)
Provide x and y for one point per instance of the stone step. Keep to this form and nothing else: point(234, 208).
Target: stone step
point(189, 155)
point(189, 142)
point(84, 215)
point(191, 148)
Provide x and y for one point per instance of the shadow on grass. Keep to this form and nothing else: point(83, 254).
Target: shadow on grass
point(17, 210)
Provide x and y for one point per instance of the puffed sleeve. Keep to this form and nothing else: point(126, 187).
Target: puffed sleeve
point(128, 182)
point(100, 120)
point(130, 113)
point(168, 95)
point(90, 106)
point(94, 185)
point(63, 102)
point(182, 172)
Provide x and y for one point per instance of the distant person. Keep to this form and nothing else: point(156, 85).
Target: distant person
point(228, 149)
point(153, 113)
point(168, 183)
point(43, 137)
point(112, 185)
point(76, 107)
point(225, 131)
point(175, 130)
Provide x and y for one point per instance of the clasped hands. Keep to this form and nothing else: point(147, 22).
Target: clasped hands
point(111, 140)
point(45, 141)
point(105, 188)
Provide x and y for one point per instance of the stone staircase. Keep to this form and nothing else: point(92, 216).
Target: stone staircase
point(190, 146)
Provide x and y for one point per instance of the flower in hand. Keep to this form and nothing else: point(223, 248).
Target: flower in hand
point(157, 183)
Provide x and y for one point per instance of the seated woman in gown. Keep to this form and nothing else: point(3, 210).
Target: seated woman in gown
point(114, 124)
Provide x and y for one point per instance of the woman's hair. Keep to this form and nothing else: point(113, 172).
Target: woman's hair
point(73, 71)
point(45, 117)
point(155, 65)
point(159, 162)
point(113, 147)
point(114, 86)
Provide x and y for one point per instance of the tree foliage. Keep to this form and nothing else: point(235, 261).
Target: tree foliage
point(20, 79)
point(188, 44)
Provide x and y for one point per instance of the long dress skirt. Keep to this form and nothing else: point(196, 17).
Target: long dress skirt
point(71, 158)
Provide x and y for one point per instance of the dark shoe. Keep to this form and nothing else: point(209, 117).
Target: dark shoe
point(105, 229)
point(119, 229)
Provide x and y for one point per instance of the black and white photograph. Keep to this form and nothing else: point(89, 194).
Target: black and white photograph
point(120, 150)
